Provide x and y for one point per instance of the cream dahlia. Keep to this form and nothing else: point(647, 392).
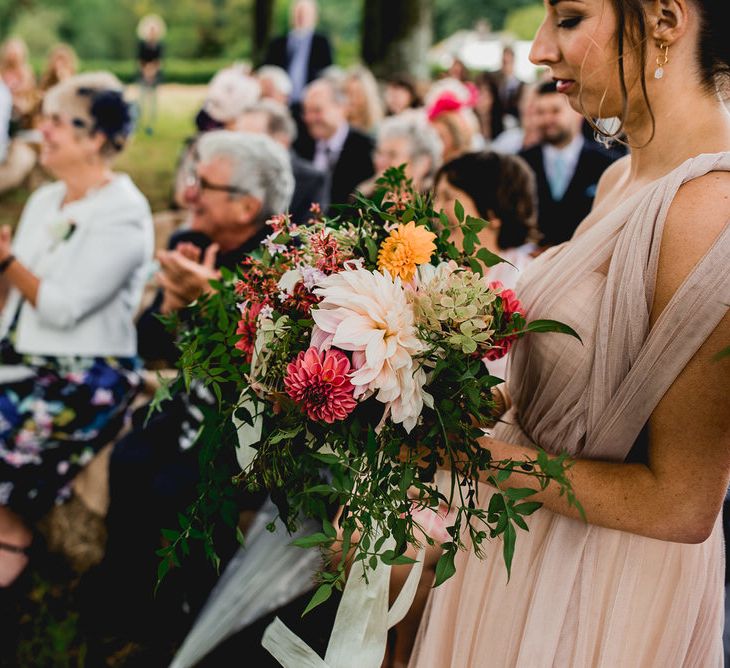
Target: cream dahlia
point(318, 382)
point(369, 313)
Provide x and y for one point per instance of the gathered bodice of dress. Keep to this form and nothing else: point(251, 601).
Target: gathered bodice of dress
point(592, 397)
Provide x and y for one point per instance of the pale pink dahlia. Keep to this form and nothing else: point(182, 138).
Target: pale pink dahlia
point(318, 382)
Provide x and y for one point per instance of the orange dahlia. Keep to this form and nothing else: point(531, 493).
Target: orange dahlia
point(406, 247)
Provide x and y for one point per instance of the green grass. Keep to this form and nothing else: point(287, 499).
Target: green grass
point(149, 159)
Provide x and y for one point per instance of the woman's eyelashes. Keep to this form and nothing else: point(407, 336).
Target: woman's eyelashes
point(569, 23)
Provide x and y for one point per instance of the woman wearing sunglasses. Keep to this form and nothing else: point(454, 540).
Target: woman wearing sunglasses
point(72, 278)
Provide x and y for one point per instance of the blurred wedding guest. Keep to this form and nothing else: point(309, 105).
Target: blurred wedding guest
point(364, 107)
point(150, 50)
point(509, 85)
point(302, 52)
point(241, 180)
point(343, 153)
point(275, 83)
point(450, 108)
point(401, 93)
point(6, 113)
point(527, 134)
point(488, 107)
point(501, 190)
point(16, 72)
point(74, 274)
point(407, 139)
point(17, 158)
point(458, 70)
point(62, 63)
point(567, 166)
point(275, 120)
point(230, 92)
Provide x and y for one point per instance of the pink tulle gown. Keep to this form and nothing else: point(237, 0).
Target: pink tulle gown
point(581, 595)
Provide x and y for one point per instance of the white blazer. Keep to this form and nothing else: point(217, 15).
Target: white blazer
point(93, 257)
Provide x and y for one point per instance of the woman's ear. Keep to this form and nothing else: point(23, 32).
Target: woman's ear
point(667, 20)
point(95, 144)
point(494, 222)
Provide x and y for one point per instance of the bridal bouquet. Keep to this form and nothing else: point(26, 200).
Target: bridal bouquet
point(352, 357)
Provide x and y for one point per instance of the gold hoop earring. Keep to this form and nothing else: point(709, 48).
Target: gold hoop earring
point(661, 61)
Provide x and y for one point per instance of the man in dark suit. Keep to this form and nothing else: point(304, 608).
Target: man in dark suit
point(310, 184)
point(510, 87)
point(302, 52)
point(566, 164)
point(343, 153)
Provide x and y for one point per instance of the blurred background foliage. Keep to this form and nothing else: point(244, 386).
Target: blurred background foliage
point(204, 33)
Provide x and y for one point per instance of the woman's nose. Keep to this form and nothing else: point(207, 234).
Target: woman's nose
point(544, 49)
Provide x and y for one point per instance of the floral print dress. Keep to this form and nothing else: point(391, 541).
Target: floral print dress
point(55, 420)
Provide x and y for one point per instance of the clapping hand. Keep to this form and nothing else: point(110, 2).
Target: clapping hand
point(184, 276)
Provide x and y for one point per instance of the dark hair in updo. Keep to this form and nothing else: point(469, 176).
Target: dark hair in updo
point(713, 48)
point(501, 184)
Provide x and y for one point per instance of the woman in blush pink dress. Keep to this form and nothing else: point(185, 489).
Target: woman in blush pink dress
point(642, 403)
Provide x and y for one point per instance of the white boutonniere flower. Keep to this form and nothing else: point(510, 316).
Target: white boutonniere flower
point(61, 230)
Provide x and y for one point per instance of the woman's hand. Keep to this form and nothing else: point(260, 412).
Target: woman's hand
point(6, 237)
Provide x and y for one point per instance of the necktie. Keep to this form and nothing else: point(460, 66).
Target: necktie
point(559, 178)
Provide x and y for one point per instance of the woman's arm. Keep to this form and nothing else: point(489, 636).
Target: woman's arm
point(15, 273)
point(678, 494)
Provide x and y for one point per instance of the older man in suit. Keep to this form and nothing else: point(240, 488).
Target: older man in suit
point(310, 184)
point(343, 153)
point(566, 164)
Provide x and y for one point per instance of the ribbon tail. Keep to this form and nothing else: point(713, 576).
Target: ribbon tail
point(288, 649)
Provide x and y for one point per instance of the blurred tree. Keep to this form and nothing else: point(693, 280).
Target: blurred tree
point(39, 27)
point(396, 34)
point(524, 22)
point(453, 15)
point(263, 23)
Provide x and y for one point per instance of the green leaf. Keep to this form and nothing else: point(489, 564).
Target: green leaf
point(312, 541)
point(542, 326)
point(459, 211)
point(372, 249)
point(389, 558)
point(528, 507)
point(445, 568)
point(521, 493)
point(328, 529)
point(475, 266)
point(326, 458)
point(320, 596)
point(170, 534)
point(319, 489)
point(509, 538)
point(490, 259)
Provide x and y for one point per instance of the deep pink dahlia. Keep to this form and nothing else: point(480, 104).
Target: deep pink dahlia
point(318, 382)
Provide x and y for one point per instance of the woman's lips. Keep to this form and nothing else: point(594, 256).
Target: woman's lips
point(564, 85)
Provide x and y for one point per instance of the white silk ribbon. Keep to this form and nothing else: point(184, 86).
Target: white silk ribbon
point(360, 632)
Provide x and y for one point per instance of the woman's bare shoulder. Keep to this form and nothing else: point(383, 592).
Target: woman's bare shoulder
point(611, 177)
point(696, 218)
